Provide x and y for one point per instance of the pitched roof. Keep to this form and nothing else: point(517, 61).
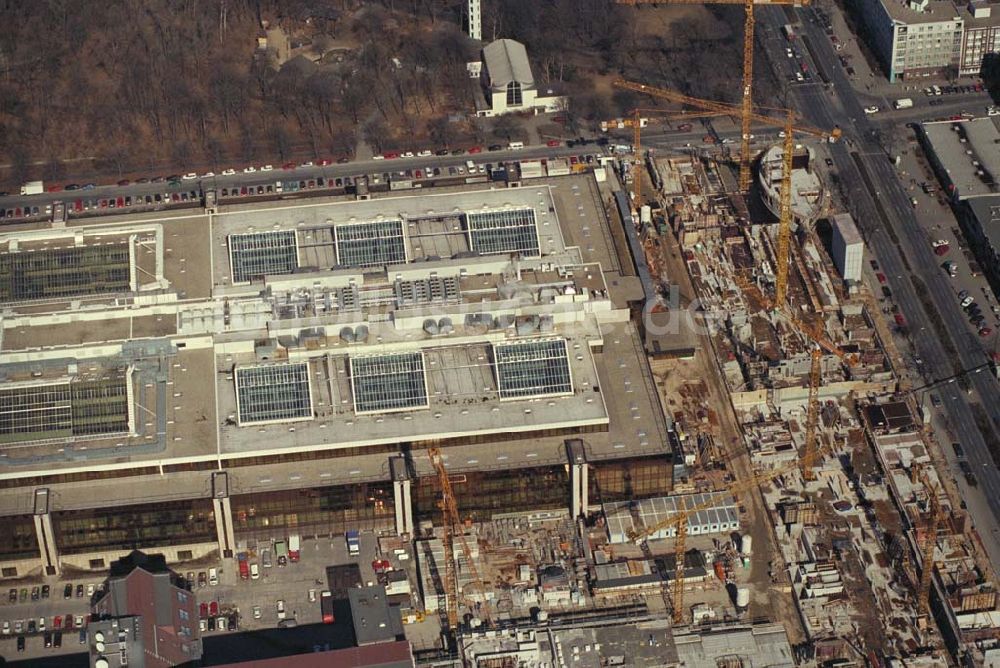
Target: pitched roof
point(506, 61)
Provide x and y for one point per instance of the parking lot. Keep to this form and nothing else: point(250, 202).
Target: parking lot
point(45, 618)
point(235, 600)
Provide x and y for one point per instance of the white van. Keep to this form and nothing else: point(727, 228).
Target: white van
point(471, 166)
point(515, 145)
point(213, 576)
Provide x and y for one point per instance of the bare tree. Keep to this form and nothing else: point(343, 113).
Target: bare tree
point(376, 132)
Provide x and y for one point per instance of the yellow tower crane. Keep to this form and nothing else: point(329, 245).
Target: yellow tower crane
point(746, 105)
point(449, 509)
point(679, 520)
point(789, 126)
point(636, 120)
point(935, 517)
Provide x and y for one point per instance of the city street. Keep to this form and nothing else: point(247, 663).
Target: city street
point(886, 218)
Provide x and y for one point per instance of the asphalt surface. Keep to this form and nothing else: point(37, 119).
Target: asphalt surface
point(258, 177)
point(885, 216)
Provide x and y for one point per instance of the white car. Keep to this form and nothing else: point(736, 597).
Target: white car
point(280, 605)
point(424, 153)
point(939, 243)
point(799, 77)
point(992, 111)
point(203, 625)
point(78, 621)
point(6, 627)
point(190, 176)
point(267, 168)
point(788, 52)
point(378, 157)
point(228, 172)
point(256, 612)
point(408, 154)
point(312, 595)
point(254, 571)
point(871, 110)
point(208, 175)
point(249, 170)
point(90, 590)
point(308, 163)
point(968, 300)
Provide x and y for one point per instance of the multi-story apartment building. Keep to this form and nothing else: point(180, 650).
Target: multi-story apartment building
point(924, 38)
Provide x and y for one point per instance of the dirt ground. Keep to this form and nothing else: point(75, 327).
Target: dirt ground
point(768, 580)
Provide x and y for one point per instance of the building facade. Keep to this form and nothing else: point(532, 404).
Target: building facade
point(930, 38)
point(508, 85)
point(981, 37)
point(188, 384)
point(145, 617)
point(848, 248)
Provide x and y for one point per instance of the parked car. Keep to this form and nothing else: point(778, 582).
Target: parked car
point(68, 590)
point(280, 606)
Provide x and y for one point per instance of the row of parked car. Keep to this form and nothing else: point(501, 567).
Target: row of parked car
point(42, 592)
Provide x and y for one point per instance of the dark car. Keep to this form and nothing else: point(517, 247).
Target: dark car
point(68, 590)
point(57, 639)
point(211, 623)
point(886, 292)
point(32, 626)
point(957, 447)
point(48, 639)
point(442, 151)
point(232, 622)
point(83, 635)
point(35, 593)
point(496, 147)
point(73, 186)
point(12, 596)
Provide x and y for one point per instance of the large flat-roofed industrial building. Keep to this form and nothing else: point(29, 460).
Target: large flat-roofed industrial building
point(189, 382)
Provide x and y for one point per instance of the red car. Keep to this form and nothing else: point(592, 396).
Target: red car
point(323, 163)
point(476, 149)
point(213, 608)
point(881, 277)
point(53, 189)
point(289, 165)
point(942, 249)
point(57, 622)
point(124, 182)
point(69, 622)
point(203, 610)
point(552, 142)
point(390, 156)
point(120, 202)
point(900, 320)
point(78, 205)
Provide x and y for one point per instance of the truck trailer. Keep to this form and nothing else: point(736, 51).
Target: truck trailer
point(33, 188)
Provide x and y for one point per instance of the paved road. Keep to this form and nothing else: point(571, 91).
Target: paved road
point(333, 171)
point(883, 210)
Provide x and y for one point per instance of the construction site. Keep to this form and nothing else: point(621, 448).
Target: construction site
point(645, 412)
point(804, 492)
